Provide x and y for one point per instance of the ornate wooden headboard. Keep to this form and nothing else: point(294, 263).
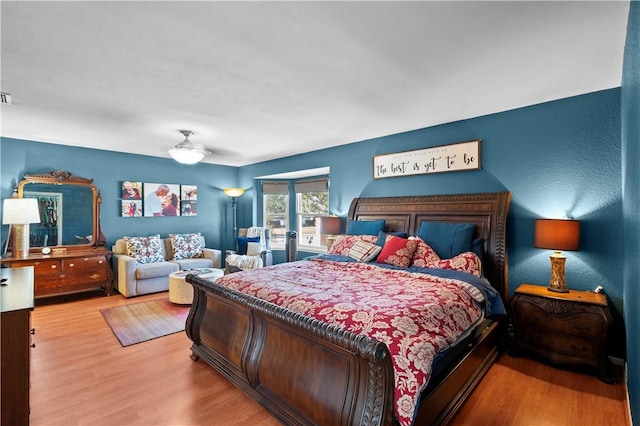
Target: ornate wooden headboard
point(487, 211)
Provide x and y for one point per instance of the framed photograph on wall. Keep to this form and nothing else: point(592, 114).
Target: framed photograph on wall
point(131, 208)
point(189, 200)
point(131, 190)
point(161, 199)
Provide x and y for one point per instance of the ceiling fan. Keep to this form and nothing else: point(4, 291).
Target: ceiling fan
point(186, 152)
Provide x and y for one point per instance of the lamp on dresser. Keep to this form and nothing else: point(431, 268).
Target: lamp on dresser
point(557, 235)
point(19, 213)
point(330, 226)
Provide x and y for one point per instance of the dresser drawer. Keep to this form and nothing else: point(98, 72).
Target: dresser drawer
point(42, 267)
point(579, 320)
point(84, 263)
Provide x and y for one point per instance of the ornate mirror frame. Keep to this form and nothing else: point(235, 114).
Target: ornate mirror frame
point(61, 177)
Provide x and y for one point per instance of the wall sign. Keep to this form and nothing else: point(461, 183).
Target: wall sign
point(444, 158)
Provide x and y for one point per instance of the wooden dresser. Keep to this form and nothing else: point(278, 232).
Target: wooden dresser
point(16, 304)
point(563, 328)
point(71, 272)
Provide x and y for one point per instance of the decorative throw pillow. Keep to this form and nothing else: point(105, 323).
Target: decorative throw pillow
point(145, 249)
point(397, 251)
point(382, 236)
point(424, 255)
point(466, 262)
point(344, 243)
point(447, 239)
point(243, 241)
point(364, 252)
point(254, 249)
point(365, 227)
point(186, 246)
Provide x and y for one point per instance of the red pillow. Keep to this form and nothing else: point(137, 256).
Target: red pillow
point(466, 262)
point(397, 251)
point(344, 243)
point(424, 256)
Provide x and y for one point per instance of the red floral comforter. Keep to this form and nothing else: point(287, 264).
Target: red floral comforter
point(415, 315)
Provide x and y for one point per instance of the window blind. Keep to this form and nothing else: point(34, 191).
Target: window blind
point(312, 185)
point(275, 187)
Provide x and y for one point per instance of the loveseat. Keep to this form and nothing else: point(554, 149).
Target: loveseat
point(142, 264)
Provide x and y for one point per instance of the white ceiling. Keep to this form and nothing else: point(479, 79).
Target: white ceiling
point(262, 80)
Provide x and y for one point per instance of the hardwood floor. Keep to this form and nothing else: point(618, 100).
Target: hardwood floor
point(80, 375)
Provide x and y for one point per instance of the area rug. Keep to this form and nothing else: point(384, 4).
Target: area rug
point(140, 322)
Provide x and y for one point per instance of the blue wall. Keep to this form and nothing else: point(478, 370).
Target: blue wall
point(109, 169)
point(630, 105)
point(559, 159)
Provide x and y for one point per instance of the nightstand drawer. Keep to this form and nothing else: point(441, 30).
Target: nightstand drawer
point(543, 342)
point(560, 316)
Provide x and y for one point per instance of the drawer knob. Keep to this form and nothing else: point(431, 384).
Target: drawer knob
point(33, 331)
point(53, 266)
point(71, 265)
point(99, 262)
point(33, 345)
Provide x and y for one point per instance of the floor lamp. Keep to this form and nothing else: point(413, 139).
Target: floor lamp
point(234, 193)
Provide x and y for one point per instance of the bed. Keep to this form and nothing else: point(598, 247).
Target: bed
point(308, 371)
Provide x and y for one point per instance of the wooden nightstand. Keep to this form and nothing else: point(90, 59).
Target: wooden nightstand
point(563, 328)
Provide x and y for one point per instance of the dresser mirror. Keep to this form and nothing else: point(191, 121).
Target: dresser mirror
point(69, 210)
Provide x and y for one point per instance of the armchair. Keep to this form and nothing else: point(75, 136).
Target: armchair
point(250, 254)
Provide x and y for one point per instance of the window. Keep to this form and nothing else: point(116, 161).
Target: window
point(312, 201)
point(276, 211)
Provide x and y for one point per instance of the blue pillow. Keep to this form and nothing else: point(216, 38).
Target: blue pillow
point(382, 237)
point(242, 243)
point(365, 227)
point(477, 246)
point(447, 239)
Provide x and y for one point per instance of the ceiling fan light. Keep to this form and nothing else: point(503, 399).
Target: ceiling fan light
point(185, 152)
point(186, 155)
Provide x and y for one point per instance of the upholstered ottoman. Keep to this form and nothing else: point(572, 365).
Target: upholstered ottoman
point(180, 291)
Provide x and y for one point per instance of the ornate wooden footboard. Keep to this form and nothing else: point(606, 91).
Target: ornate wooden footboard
point(302, 370)
point(307, 372)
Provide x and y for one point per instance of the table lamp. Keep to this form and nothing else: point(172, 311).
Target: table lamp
point(330, 226)
point(557, 235)
point(19, 213)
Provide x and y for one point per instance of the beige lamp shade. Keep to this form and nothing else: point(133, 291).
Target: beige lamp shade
point(233, 192)
point(20, 211)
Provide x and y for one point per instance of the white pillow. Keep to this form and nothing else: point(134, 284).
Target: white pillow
point(254, 249)
point(364, 252)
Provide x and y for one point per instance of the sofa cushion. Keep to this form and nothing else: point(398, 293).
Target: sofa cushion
point(157, 269)
point(194, 263)
point(145, 249)
point(186, 246)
